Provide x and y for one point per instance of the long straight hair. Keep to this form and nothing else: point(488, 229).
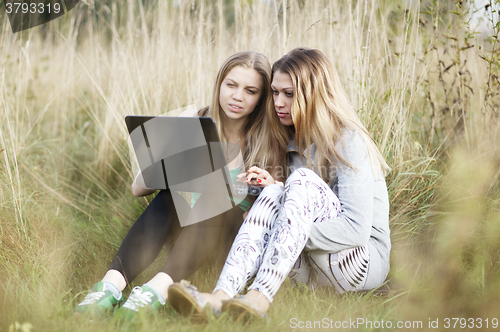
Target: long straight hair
point(320, 110)
point(258, 149)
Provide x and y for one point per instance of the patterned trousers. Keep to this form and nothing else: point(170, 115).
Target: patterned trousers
point(272, 237)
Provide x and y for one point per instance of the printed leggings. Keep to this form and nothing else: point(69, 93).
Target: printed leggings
point(275, 233)
point(192, 245)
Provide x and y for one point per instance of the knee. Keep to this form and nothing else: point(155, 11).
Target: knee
point(302, 174)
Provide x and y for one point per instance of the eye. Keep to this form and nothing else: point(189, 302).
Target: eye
point(274, 92)
point(252, 92)
point(289, 94)
point(230, 85)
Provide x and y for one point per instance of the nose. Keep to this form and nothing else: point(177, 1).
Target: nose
point(278, 101)
point(238, 95)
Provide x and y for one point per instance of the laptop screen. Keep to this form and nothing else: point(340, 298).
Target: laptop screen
point(184, 154)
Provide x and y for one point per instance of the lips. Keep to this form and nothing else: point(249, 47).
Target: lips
point(281, 115)
point(235, 108)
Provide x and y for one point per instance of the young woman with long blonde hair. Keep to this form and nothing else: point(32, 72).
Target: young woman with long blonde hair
point(238, 106)
point(328, 225)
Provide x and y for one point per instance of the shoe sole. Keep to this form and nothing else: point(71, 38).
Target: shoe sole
point(240, 311)
point(185, 304)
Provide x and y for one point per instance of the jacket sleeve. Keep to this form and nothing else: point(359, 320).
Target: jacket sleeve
point(352, 227)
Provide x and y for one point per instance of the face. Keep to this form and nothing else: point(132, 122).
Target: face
point(282, 88)
point(240, 92)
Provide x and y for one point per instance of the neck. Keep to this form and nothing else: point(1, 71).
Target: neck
point(233, 129)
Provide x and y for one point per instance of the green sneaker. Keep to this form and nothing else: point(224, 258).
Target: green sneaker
point(98, 302)
point(141, 298)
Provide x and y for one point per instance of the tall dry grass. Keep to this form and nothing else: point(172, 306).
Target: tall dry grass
point(430, 101)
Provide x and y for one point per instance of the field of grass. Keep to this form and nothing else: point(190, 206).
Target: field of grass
point(423, 82)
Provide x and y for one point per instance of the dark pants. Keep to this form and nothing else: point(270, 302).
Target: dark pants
point(192, 246)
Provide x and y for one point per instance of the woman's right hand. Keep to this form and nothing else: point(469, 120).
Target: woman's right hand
point(259, 175)
point(139, 188)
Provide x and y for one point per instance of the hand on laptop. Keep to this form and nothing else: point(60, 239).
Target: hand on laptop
point(139, 187)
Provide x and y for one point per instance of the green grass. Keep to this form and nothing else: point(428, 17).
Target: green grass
point(65, 170)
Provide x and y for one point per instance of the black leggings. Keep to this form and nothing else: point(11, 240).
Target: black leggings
point(192, 246)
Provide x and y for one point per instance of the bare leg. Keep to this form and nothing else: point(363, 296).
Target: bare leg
point(161, 282)
point(116, 278)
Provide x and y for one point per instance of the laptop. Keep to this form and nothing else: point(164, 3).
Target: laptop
point(185, 154)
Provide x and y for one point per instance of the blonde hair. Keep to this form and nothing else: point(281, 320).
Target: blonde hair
point(258, 148)
point(320, 110)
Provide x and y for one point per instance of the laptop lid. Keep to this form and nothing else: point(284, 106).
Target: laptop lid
point(185, 154)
